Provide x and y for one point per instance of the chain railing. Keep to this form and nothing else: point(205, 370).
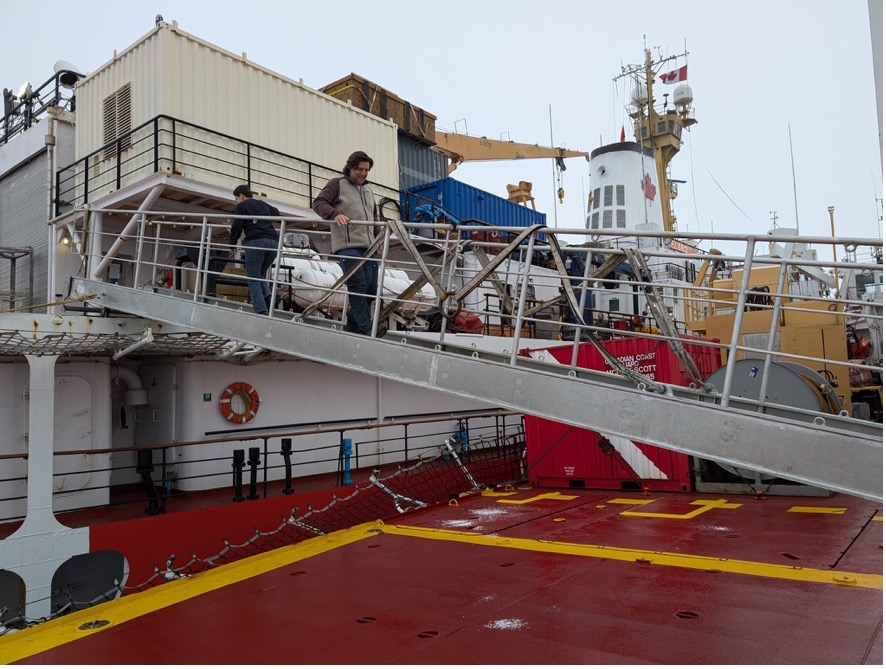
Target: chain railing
point(444, 467)
point(159, 473)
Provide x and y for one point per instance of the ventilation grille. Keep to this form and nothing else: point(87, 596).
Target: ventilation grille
point(117, 115)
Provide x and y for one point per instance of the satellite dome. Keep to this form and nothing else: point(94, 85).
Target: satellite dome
point(639, 95)
point(682, 94)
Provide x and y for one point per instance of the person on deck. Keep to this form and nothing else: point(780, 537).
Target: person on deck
point(261, 243)
point(342, 200)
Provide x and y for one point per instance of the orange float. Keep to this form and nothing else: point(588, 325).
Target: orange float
point(245, 393)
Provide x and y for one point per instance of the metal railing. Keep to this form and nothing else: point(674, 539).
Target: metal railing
point(441, 277)
point(157, 468)
point(758, 328)
point(168, 145)
point(30, 106)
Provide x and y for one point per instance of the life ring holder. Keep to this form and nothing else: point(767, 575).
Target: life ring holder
point(247, 394)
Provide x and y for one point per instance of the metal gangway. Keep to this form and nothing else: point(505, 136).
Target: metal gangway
point(529, 278)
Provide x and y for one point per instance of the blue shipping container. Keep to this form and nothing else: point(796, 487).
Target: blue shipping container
point(419, 163)
point(466, 202)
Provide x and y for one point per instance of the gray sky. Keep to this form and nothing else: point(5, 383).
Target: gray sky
point(508, 68)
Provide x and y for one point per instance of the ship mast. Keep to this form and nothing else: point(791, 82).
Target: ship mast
point(659, 132)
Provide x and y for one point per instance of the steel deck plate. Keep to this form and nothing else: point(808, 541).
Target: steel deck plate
point(524, 576)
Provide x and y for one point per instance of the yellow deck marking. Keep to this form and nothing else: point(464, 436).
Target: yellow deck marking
point(23, 644)
point(702, 504)
point(817, 509)
point(878, 518)
point(682, 560)
point(28, 642)
point(631, 501)
point(547, 495)
point(492, 493)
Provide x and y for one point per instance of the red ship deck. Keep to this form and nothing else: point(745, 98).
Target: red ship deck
point(526, 576)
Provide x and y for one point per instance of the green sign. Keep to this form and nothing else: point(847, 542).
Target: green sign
point(207, 397)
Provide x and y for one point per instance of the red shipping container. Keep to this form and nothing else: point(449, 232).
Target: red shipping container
point(562, 456)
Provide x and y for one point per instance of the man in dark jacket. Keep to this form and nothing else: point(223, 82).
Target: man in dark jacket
point(261, 243)
point(342, 200)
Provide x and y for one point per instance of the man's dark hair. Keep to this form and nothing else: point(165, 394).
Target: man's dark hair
point(242, 189)
point(355, 159)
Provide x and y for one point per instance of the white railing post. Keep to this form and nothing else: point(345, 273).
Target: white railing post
point(739, 315)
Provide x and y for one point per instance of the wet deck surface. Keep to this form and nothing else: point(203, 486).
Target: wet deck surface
point(527, 576)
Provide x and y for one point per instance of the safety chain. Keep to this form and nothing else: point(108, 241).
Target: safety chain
point(433, 478)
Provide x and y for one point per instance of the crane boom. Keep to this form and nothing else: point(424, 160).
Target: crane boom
point(460, 148)
point(709, 263)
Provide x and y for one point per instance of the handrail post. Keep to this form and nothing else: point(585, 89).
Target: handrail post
point(286, 452)
point(156, 144)
point(119, 161)
point(265, 471)
point(380, 284)
point(521, 305)
point(340, 466)
point(203, 255)
point(85, 163)
point(237, 464)
point(773, 328)
point(58, 193)
point(276, 267)
point(253, 463)
point(739, 316)
point(174, 149)
point(581, 306)
point(139, 248)
point(163, 474)
point(310, 182)
point(145, 467)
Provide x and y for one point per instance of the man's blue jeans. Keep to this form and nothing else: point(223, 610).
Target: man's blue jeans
point(363, 283)
point(259, 256)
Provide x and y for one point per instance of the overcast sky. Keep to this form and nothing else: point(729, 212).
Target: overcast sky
point(529, 70)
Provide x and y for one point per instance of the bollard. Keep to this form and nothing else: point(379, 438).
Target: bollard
point(239, 460)
point(286, 452)
point(253, 462)
point(346, 450)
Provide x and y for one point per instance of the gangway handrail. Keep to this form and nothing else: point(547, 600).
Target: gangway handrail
point(623, 409)
point(421, 360)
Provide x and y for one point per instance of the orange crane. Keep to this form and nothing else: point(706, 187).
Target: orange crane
point(461, 148)
point(710, 265)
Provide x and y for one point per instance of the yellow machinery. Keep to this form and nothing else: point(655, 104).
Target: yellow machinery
point(699, 306)
point(812, 330)
point(461, 148)
point(521, 193)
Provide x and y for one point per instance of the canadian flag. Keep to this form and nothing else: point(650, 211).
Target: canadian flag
point(674, 76)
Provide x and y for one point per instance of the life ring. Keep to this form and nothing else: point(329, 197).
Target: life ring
point(246, 394)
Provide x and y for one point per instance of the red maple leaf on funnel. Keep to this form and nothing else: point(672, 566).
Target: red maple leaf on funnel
point(648, 187)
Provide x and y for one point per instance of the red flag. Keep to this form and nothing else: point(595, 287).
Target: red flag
point(674, 76)
point(622, 134)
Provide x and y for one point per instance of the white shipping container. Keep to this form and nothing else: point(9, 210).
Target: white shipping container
point(170, 72)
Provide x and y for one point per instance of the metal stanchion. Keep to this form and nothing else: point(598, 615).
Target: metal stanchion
point(286, 452)
point(239, 461)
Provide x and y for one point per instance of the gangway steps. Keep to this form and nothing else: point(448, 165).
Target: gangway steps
point(834, 452)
